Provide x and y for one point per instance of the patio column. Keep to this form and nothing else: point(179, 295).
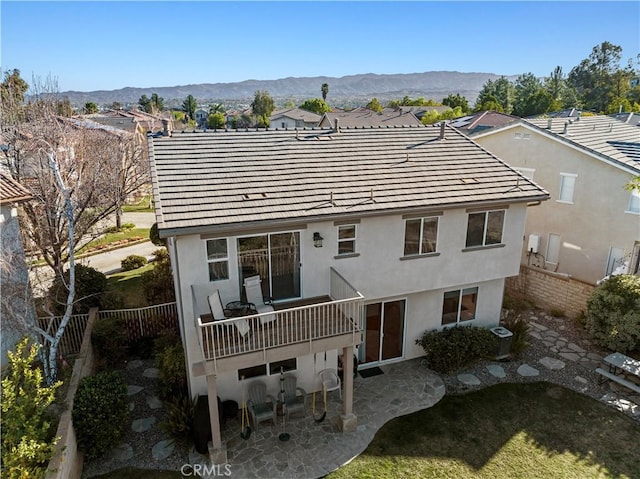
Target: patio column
point(217, 450)
point(348, 420)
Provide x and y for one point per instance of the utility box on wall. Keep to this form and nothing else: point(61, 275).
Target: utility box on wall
point(534, 244)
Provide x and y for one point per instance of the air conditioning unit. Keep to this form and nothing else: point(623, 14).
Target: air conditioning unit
point(534, 244)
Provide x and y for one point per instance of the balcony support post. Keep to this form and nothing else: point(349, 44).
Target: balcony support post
point(348, 420)
point(217, 450)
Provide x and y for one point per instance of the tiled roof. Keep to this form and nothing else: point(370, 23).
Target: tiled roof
point(205, 181)
point(296, 114)
point(363, 117)
point(630, 118)
point(11, 191)
point(609, 138)
point(482, 121)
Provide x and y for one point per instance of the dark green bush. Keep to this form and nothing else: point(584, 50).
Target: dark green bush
point(181, 418)
point(520, 329)
point(100, 412)
point(613, 313)
point(450, 349)
point(173, 373)
point(133, 261)
point(90, 286)
point(154, 236)
point(158, 282)
point(109, 339)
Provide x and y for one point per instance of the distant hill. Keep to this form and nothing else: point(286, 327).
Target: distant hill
point(353, 88)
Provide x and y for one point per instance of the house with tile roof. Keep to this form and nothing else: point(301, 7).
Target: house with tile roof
point(591, 225)
point(293, 118)
point(363, 238)
point(16, 302)
point(366, 118)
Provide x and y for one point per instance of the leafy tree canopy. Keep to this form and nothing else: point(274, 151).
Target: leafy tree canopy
point(262, 106)
point(189, 106)
point(456, 100)
point(90, 108)
point(316, 105)
point(374, 105)
point(216, 120)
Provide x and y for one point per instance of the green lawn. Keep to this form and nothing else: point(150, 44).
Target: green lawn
point(522, 431)
point(145, 205)
point(129, 285)
point(114, 239)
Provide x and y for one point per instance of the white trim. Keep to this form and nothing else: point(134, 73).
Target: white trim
point(404, 332)
point(634, 194)
point(562, 185)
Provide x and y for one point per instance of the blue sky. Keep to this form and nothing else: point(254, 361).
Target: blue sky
point(90, 46)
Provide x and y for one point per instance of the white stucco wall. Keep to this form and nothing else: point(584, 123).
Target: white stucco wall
point(595, 222)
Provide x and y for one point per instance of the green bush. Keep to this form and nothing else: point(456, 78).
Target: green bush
point(100, 412)
point(27, 430)
point(173, 372)
point(451, 349)
point(115, 229)
point(181, 418)
point(133, 261)
point(154, 236)
point(520, 329)
point(613, 313)
point(158, 282)
point(109, 340)
point(90, 286)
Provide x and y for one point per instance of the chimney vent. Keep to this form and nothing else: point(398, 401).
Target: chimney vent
point(566, 128)
point(549, 123)
point(337, 125)
point(165, 127)
point(442, 130)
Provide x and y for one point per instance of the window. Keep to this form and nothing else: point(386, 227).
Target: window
point(518, 136)
point(218, 259)
point(286, 365)
point(615, 260)
point(273, 368)
point(485, 228)
point(252, 372)
point(634, 202)
point(459, 305)
point(567, 185)
point(553, 249)
point(420, 236)
point(346, 239)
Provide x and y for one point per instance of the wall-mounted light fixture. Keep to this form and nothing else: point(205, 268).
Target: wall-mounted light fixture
point(317, 240)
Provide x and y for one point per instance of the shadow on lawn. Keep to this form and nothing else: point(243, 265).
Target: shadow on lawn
point(474, 427)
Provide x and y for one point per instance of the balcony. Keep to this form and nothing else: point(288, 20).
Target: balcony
point(296, 328)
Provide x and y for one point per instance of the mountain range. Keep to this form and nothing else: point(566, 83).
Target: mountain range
point(434, 85)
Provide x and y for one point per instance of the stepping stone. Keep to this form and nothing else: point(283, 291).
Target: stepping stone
point(131, 390)
point(163, 449)
point(535, 335)
point(154, 402)
point(552, 363)
point(122, 452)
point(575, 357)
point(144, 424)
point(468, 379)
point(576, 348)
point(527, 371)
point(153, 373)
point(132, 406)
point(581, 380)
point(539, 327)
point(136, 363)
point(496, 371)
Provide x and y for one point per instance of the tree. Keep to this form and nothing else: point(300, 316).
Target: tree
point(496, 92)
point(12, 91)
point(145, 103)
point(429, 117)
point(216, 120)
point(216, 108)
point(530, 96)
point(456, 100)
point(116, 105)
point(315, 105)
point(324, 90)
point(262, 106)
point(189, 106)
point(374, 105)
point(157, 103)
point(90, 108)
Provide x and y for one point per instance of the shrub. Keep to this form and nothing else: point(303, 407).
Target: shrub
point(158, 282)
point(133, 261)
point(109, 339)
point(90, 285)
point(154, 236)
point(27, 431)
point(520, 329)
point(556, 312)
point(181, 419)
point(100, 412)
point(450, 349)
point(115, 229)
point(173, 373)
point(613, 313)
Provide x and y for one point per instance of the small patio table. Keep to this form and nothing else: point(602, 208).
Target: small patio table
point(622, 362)
point(236, 309)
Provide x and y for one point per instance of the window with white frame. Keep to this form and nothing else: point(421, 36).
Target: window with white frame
point(346, 239)
point(420, 236)
point(485, 228)
point(459, 305)
point(615, 260)
point(218, 259)
point(553, 248)
point(634, 202)
point(567, 187)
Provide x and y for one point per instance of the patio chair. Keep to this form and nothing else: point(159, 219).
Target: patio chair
point(331, 381)
point(253, 291)
point(217, 311)
point(291, 401)
point(259, 406)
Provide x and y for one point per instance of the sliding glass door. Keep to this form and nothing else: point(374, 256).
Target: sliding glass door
point(384, 331)
point(276, 258)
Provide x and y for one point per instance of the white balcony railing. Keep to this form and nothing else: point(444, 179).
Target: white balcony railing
point(341, 315)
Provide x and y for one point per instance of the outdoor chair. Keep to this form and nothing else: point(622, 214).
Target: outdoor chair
point(259, 406)
point(253, 290)
point(331, 381)
point(292, 402)
point(217, 311)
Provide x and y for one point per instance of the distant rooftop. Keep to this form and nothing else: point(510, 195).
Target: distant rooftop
point(364, 117)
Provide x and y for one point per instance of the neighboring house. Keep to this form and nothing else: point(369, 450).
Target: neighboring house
point(16, 301)
point(134, 121)
point(365, 118)
point(592, 225)
point(630, 118)
point(293, 118)
point(364, 238)
point(480, 121)
point(201, 118)
point(419, 111)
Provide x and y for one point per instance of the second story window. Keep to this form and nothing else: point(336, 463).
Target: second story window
point(567, 186)
point(634, 202)
point(420, 236)
point(218, 259)
point(485, 228)
point(346, 239)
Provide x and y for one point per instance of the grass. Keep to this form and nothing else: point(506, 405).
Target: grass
point(113, 239)
point(505, 431)
point(145, 205)
point(129, 285)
